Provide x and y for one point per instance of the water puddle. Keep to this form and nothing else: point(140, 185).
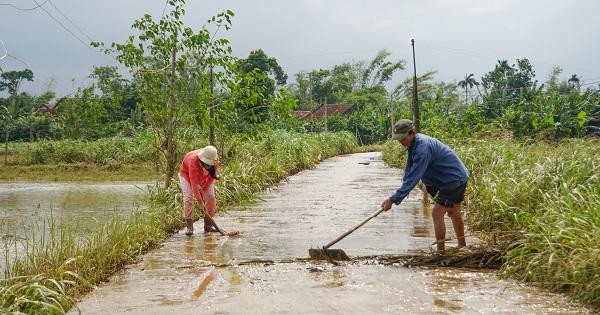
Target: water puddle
point(213, 274)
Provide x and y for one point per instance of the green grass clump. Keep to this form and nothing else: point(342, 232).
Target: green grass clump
point(539, 201)
point(249, 165)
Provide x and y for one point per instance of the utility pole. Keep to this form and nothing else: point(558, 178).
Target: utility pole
point(211, 128)
point(417, 121)
point(325, 104)
point(391, 114)
point(415, 106)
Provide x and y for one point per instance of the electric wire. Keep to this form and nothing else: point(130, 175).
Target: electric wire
point(70, 21)
point(64, 27)
point(25, 9)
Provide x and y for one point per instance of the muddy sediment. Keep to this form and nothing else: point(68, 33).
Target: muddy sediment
point(266, 268)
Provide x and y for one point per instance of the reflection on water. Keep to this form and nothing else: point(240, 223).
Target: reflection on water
point(26, 204)
point(208, 278)
point(202, 274)
point(28, 209)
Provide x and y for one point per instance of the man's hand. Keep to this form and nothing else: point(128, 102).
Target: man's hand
point(387, 204)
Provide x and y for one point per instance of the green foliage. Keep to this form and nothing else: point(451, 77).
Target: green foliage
point(507, 85)
point(36, 295)
point(540, 203)
point(245, 170)
point(86, 116)
point(379, 70)
point(107, 151)
point(255, 71)
point(11, 80)
point(159, 57)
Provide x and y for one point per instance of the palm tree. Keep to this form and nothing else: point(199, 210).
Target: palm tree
point(574, 81)
point(467, 83)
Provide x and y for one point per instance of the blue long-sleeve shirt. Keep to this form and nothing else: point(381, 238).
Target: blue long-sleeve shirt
point(433, 162)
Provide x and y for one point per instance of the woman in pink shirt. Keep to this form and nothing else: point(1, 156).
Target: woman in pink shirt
point(197, 176)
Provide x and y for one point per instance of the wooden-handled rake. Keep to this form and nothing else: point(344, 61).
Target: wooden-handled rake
point(325, 253)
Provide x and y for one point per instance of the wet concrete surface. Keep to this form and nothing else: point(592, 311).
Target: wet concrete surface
point(208, 274)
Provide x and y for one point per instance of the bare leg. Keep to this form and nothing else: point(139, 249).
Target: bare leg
point(457, 223)
point(439, 226)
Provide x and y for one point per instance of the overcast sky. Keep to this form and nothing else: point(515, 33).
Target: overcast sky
point(452, 37)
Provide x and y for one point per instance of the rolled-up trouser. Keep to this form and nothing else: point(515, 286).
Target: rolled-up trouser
point(188, 199)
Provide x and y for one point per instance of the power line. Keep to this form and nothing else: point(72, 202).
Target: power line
point(70, 21)
point(63, 26)
point(26, 9)
point(165, 8)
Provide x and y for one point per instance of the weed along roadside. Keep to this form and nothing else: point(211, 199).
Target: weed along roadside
point(538, 203)
point(525, 140)
point(265, 270)
point(257, 163)
point(78, 267)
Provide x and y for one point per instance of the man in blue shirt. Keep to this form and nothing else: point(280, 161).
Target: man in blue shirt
point(443, 173)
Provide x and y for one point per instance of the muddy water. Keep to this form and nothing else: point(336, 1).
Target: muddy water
point(208, 274)
point(27, 207)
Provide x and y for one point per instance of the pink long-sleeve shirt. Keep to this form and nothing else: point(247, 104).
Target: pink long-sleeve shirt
point(199, 179)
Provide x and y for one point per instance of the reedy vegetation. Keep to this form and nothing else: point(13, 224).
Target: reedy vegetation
point(538, 201)
point(250, 164)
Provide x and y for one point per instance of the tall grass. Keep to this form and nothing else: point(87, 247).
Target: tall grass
point(539, 201)
point(106, 151)
point(249, 165)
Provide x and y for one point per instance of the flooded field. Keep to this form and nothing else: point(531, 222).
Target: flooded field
point(212, 274)
point(26, 208)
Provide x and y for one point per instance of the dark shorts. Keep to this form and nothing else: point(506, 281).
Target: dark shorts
point(447, 197)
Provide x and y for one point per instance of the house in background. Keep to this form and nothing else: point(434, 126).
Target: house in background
point(301, 113)
point(325, 110)
point(50, 107)
point(331, 109)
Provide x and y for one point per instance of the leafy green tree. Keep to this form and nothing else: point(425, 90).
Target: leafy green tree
point(369, 116)
point(282, 106)
point(267, 75)
point(552, 82)
point(84, 116)
point(119, 95)
point(380, 70)
point(11, 81)
point(159, 56)
point(506, 85)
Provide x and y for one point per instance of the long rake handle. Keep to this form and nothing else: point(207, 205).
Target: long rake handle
point(353, 229)
point(213, 222)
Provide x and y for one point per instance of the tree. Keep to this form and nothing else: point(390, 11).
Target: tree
point(552, 81)
point(119, 96)
point(157, 57)
point(380, 70)
point(267, 75)
point(507, 85)
point(85, 116)
point(468, 82)
point(11, 81)
point(574, 82)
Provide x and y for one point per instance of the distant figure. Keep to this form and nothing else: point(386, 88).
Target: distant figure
point(443, 173)
point(197, 176)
